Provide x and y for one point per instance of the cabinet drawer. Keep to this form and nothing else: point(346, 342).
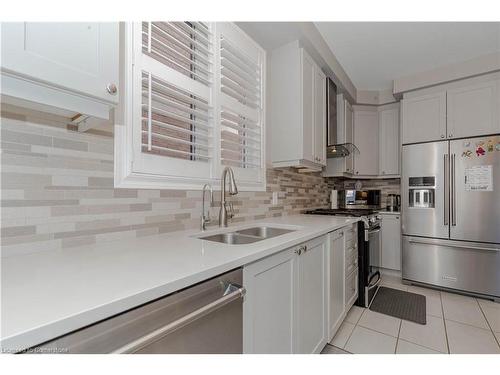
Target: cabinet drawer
point(351, 289)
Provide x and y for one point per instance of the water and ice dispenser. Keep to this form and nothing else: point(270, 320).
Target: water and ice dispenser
point(422, 192)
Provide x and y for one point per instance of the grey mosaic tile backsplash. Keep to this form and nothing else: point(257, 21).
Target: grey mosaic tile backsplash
point(57, 191)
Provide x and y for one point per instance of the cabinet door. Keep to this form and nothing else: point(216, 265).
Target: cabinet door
point(77, 56)
point(391, 242)
point(424, 118)
point(366, 139)
point(349, 135)
point(319, 116)
point(308, 78)
point(473, 110)
point(389, 141)
point(336, 284)
point(312, 297)
point(269, 304)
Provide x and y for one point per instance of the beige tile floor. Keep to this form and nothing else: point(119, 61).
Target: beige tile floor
point(455, 324)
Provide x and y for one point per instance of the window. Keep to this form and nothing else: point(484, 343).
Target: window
point(193, 104)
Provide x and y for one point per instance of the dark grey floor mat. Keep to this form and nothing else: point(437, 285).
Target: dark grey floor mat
point(400, 304)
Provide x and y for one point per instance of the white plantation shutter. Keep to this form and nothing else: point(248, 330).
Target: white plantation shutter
point(192, 104)
point(241, 103)
point(174, 76)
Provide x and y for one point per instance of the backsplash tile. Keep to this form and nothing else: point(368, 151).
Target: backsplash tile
point(57, 191)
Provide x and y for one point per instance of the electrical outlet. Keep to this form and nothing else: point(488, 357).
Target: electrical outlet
point(275, 198)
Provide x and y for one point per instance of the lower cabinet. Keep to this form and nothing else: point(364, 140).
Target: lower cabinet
point(391, 242)
point(336, 307)
point(343, 276)
point(312, 297)
point(285, 308)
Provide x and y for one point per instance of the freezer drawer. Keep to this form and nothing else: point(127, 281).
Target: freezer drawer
point(204, 318)
point(466, 266)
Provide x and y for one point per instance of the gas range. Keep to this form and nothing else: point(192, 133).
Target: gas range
point(368, 248)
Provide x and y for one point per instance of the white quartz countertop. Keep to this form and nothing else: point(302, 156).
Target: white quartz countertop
point(51, 293)
point(384, 212)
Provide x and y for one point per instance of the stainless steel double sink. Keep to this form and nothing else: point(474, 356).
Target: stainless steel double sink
point(246, 236)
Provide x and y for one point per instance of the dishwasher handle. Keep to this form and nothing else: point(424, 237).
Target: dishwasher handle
point(235, 292)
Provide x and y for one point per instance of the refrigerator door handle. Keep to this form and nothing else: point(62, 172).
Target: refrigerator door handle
point(453, 193)
point(446, 187)
point(456, 245)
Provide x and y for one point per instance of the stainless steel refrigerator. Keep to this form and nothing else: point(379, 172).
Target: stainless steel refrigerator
point(451, 214)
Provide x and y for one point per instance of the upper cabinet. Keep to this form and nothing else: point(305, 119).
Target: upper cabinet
point(298, 109)
point(71, 66)
point(465, 108)
point(319, 116)
point(366, 138)
point(473, 110)
point(424, 118)
point(388, 122)
point(192, 104)
point(375, 132)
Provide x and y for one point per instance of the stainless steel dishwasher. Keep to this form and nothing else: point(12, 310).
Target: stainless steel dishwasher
point(204, 318)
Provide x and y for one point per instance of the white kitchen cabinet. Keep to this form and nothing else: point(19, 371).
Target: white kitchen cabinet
point(70, 66)
point(366, 138)
point(473, 110)
point(308, 111)
point(460, 109)
point(270, 302)
point(389, 143)
point(423, 117)
point(285, 308)
point(298, 113)
point(336, 288)
point(312, 297)
point(391, 241)
point(319, 116)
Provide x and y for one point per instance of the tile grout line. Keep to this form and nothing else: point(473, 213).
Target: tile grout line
point(487, 322)
point(444, 322)
point(355, 325)
point(397, 339)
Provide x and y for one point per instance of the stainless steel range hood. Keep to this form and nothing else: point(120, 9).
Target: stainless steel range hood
point(336, 145)
point(341, 150)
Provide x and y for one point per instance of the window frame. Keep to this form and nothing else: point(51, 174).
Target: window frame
point(135, 169)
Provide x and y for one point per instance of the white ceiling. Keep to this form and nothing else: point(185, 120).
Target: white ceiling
point(373, 54)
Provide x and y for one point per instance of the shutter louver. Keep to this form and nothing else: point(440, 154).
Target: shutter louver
point(182, 46)
point(240, 76)
point(241, 107)
point(240, 141)
point(176, 117)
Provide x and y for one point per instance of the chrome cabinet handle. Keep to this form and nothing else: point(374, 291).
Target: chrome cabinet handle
point(301, 249)
point(181, 322)
point(111, 88)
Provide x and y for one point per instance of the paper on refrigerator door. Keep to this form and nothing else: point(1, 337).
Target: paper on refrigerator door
point(479, 178)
